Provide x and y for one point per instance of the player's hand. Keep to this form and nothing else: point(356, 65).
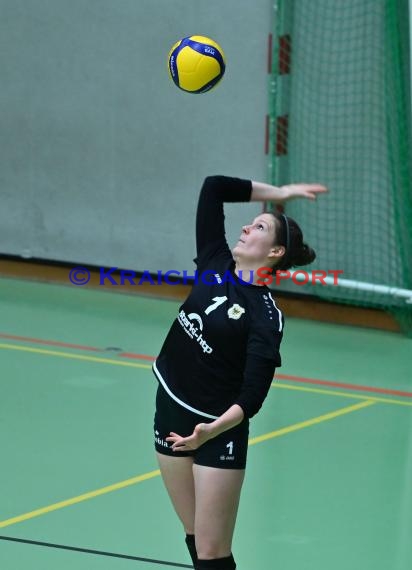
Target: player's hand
point(200, 435)
point(309, 191)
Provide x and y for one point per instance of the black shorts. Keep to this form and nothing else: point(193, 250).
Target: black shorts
point(226, 451)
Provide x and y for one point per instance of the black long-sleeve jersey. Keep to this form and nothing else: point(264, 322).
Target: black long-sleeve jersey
point(223, 347)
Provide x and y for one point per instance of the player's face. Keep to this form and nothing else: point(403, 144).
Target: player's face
point(257, 239)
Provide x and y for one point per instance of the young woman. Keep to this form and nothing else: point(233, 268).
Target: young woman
point(217, 363)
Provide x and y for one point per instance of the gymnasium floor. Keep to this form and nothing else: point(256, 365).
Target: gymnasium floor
point(329, 479)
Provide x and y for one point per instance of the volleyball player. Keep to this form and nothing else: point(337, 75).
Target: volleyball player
point(218, 360)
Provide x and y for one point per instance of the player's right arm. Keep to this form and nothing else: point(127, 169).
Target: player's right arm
point(210, 219)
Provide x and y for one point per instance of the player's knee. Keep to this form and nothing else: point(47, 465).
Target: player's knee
point(211, 549)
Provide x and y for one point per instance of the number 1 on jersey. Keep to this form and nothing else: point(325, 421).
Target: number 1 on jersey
point(218, 301)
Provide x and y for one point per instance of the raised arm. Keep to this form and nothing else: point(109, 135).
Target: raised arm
point(262, 192)
point(210, 219)
point(216, 190)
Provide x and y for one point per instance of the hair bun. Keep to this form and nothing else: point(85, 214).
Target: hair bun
point(304, 256)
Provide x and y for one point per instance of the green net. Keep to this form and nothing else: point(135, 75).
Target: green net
point(340, 115)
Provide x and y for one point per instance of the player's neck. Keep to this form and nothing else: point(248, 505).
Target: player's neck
point(246, 271)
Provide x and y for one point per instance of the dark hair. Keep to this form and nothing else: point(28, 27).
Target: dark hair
point(289, 234)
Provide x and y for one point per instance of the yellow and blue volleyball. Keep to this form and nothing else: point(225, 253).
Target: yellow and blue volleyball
point(196, 64)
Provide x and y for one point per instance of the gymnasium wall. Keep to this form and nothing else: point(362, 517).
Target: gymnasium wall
point(102, 157)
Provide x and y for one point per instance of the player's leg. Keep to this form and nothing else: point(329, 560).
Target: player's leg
point(217, 493)
point(177, 474)
point(219, 470)
point(176, 470)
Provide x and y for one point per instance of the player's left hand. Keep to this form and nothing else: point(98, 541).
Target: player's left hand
point(200, 435)
point(309, 191)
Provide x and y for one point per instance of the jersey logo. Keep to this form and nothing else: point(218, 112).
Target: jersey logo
point(196, 317)
point(192, 324)
point(235, 311)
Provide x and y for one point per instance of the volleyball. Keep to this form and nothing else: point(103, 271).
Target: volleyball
point(196, 64)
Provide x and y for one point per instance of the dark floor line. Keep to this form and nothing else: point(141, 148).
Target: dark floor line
point(98, 552)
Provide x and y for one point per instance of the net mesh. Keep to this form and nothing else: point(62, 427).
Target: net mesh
point(340, 115)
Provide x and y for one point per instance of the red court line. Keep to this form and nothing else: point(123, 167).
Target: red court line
point(49, 342)
point(70, 345)
point(301, 379)
point(344, 385)
point(136, 356)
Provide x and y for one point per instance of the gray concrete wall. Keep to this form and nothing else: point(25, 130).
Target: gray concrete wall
point(102, 157)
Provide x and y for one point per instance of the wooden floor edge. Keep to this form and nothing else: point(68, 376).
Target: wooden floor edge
point(306, 308)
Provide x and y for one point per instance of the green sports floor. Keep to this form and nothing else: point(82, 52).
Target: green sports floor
point(329, 477)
